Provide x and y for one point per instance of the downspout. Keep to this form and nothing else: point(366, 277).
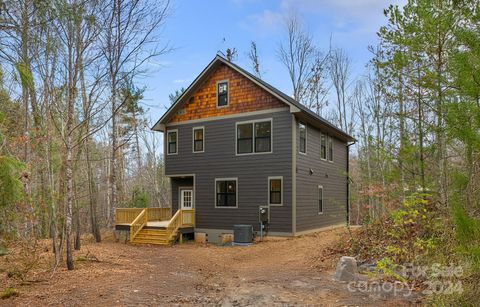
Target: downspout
point(348, 181)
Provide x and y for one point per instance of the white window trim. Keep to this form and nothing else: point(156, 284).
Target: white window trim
point(253, 139)
point(306, 138)
point(228, 93)
point(281, 191)
point(318, 198)
point(193, 139)
point(236, 192)
point(168, 152)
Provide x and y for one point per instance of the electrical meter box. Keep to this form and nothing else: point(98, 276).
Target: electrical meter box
point(263, 214)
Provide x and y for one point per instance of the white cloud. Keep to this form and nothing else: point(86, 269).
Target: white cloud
point(179, 81)
point(267, 21)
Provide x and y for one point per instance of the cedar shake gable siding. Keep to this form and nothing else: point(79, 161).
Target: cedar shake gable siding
point(243, 96)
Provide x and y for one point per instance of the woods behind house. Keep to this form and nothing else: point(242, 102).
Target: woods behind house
point(75, 143)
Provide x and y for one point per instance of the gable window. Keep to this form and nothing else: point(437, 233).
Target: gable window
point(275, 190)
point(330, 148)
point(254, 137)
point(320, 199)
point(226, 192)
point(303, 137)
point(172, 137)
point(198, 139)
point(323, 146)
point(222, 94)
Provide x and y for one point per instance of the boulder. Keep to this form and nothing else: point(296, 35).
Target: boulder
point(346, 269)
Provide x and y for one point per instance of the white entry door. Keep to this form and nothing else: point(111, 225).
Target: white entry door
point(186, 199)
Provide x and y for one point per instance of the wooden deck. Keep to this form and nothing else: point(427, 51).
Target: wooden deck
point(154, 225)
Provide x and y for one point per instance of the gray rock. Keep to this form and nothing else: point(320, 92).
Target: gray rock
point(346, 269)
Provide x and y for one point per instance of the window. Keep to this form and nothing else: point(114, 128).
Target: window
point(303, 138)
point(330, 148)
point(323, 146)
point(254, 137)
point(226, 192)
point(244, 138)
point(172, 142)
point(198, 139)
point(275, 195)
point(222, 94)
point(263, 135)
point(320, 199)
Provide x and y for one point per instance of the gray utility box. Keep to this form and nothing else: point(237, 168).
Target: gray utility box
point(242, 233)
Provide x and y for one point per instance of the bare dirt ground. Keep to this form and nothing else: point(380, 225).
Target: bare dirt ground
point(276, 272)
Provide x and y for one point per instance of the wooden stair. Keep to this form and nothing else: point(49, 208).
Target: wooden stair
point(153, 236)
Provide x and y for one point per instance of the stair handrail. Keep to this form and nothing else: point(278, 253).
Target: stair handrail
point(174, 224)
point(138, 223)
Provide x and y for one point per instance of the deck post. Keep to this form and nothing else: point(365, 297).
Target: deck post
point(181, 238)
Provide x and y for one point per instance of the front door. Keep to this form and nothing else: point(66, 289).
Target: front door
point(186, 199)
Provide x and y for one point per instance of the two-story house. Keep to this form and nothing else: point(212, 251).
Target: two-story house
point(233, 143)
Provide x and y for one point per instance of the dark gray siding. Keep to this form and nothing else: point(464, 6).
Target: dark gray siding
point(176, 184)
point(219, 161)
point(330, 175)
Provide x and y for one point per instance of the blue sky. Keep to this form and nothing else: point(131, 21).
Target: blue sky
point(198, 29)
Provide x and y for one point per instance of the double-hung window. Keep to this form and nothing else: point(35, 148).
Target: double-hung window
point(275, 190)
point(323, 146)
point(226, 192)
point(303, 138)
point(222, 94)
point(254, 137)
point(172, 140)
point(198, 139)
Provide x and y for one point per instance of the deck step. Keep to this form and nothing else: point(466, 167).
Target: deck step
point(152, 236)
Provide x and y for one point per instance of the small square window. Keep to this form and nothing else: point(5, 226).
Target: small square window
point(226, 192)
point(222, 94)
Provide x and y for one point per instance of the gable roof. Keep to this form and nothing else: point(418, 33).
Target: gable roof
point(296, 108)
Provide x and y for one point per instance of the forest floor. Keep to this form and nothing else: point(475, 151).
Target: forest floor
point(293, 271)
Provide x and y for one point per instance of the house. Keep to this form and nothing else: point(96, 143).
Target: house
point(234, 143)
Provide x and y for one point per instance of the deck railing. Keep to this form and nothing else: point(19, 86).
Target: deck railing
point(137, 218)
point(138, 224)
point(159, 214)
point(128, 215)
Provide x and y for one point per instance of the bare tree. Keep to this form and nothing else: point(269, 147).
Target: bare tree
point(254, 59)
point(340, 72)
point(297, 53)
point(131, 26)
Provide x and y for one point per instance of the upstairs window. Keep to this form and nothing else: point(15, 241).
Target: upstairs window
point(275, 190)
point(320, 199)
point(303, 138)
point(222, 94)
point(323, 146)
point(198, 139)
point(254, 137)
point(244, 138)
point(263, 136)
point(172, 142)
point(226, 192)
point(330, 148)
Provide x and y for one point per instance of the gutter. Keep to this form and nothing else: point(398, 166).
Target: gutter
point(348, 180)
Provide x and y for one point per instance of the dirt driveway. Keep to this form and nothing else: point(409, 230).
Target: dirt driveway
point(282, 272)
